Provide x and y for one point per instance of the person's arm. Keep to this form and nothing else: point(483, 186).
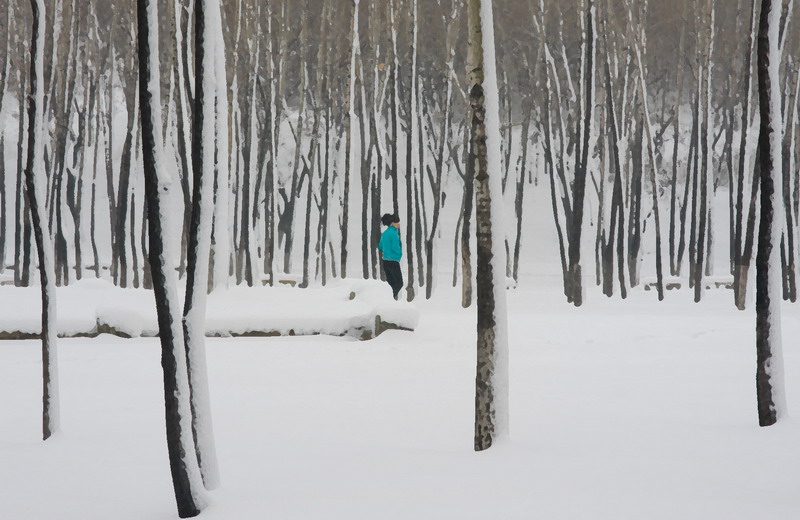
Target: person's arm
point(398, 244)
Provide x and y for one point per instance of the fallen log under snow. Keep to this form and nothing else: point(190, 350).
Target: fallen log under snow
point(362, 309)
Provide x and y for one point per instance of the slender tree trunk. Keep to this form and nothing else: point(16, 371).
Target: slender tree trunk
point(705, 152)
point(617, 205)
point(581, 167)
point(551, 166)
point(21, 213)
point(635, 210)
point(674, 269)
point(466, 233)
point(197, 268)
point(35, 177)
point(183, 465)
point(491, 394)
point(520, 192)
point(742, 258)
point(393, 108)
point(769, 372)
point(691, 167)
point(349, 116)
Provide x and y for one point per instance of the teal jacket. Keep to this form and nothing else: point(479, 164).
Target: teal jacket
point(390, 246)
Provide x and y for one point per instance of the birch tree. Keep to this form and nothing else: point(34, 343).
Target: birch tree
point(491, 381)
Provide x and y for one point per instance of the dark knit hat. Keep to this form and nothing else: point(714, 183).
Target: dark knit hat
point(388, 219)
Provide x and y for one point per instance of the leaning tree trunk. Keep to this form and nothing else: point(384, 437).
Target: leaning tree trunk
point(491, 381)
point(742, 258)
point(769, 372)
point(35, 178)
point(186, 478)
point(199, 246)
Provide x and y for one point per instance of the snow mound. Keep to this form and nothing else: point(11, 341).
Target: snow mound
point(359, 308)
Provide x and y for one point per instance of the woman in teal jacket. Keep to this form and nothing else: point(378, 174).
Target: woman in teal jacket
point(391, 252)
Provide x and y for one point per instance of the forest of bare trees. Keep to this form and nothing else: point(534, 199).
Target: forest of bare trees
point(634, 117)
point(261, 141)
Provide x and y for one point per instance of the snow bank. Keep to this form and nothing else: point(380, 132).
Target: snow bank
point(359, 308)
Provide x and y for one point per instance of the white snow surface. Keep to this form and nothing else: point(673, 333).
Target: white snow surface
point(620, 410)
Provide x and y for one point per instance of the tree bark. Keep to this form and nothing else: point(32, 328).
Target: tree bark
point(177, 413)
point(582, 159)
point(491, 380)
point(769, 372)
point(35, 177)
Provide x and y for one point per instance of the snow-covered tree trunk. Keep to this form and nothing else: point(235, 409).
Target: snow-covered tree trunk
point(203, 163)
point(21, 215)
point(491, 381)
point(349, 148)
point(638, 51)
point(575, 227)
point(186, 478)
point(221, 245)
point(291, 195)
point(411, 132)
point(273, 122)
point(706, 152)
point(742, 258)
point(4, 83)
point(680, 71)
point(244, 244)
point(35, 179)
point(520, 188)
point(466, 233)
point(769, 373)
point(616, 226)
point(436, 179)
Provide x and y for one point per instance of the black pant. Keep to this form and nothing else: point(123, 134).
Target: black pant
point(393, 275)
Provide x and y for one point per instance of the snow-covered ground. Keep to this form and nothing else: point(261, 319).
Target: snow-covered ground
point(619, 410)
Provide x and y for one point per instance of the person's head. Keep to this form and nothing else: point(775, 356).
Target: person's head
point(388, 219)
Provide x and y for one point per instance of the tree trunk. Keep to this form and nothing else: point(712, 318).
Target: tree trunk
point(199, 242)
point(617, 205)
point(769, 372)
point(35, 178)
point(20, 213)
point(742, 259)
point(349, 115)
point(466, 233)
point(183, 465)
point(581, 166)
point(491, 390)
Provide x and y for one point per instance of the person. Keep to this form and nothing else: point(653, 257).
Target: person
point(391, 252)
